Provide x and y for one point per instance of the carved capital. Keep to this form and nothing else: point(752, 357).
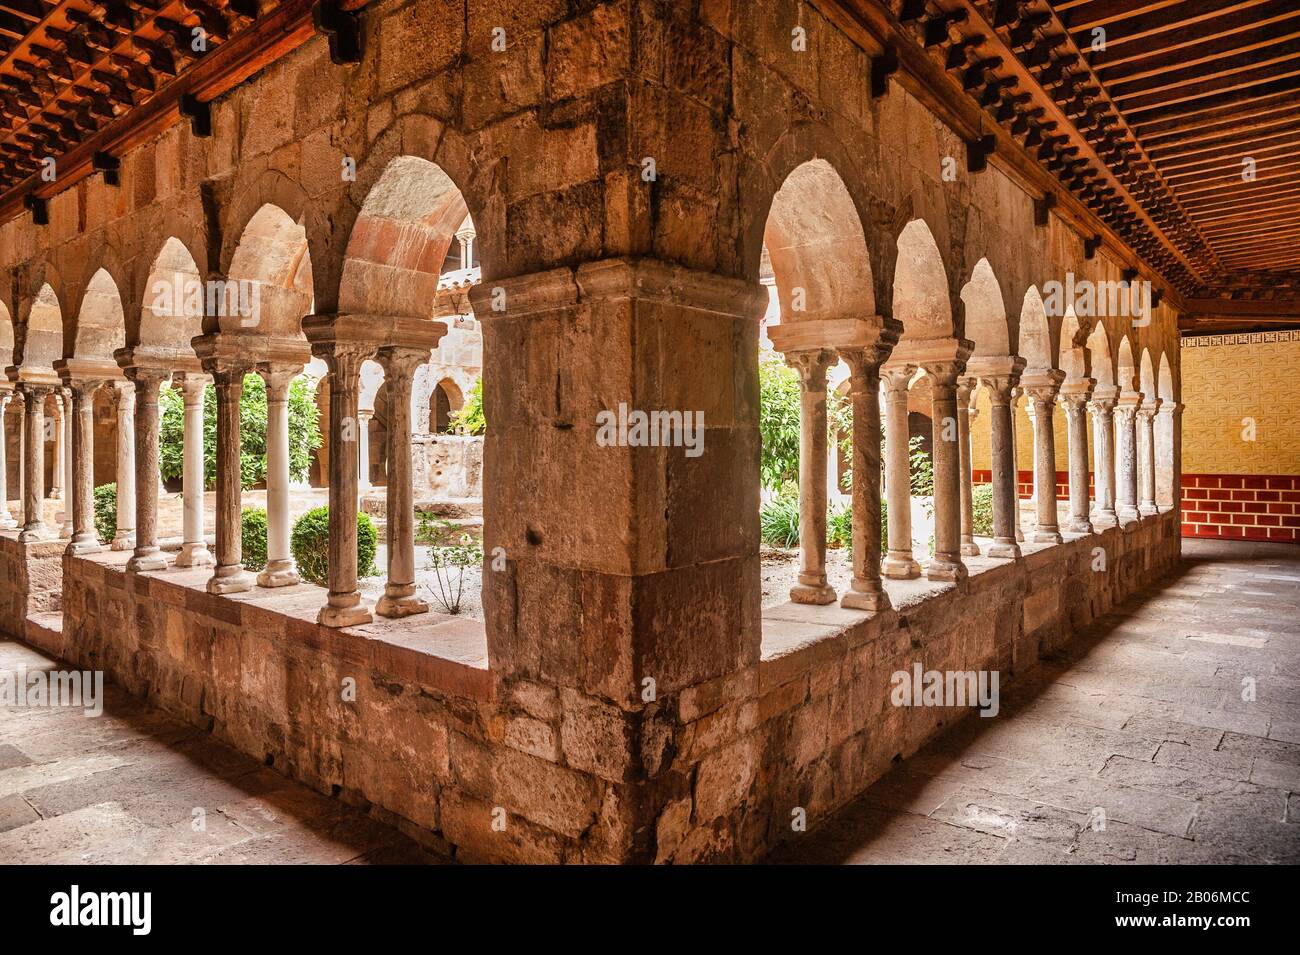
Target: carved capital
point(1001, 388)
point(812, 366)
point(400, 363)
point(897, 378)
point(944, 374)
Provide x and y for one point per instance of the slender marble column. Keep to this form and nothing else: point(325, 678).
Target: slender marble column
point(965, 386)
point(866, 591)
point(399, 600)
point(6, 520)
point(125, 538)
point(899, 563)
point(344, 607)
point(84, 539)
point(280, 570)
point(60, 431)
point(147, 555)
point(34, 528)
point(1015, 457)
point(65, 401)
point(1002, 436)
point(229, 575)
point(946, 563)
point(363, 450)
point(1126, 457)
point(1076, 404)
point(812, 366)
point(1102, 408)
point(194, 546)
point(22, 459)
point(1042, 407)
point(1146, 437)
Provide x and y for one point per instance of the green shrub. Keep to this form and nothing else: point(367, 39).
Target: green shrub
point(106, 512)
point(839, 528)
point(304, 431)
point(309, 542)
point(252, 524)
point(778, 521)
point(982, 509)
point(469, 418)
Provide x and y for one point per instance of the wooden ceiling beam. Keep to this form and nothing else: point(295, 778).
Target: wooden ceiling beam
point(1192, 34)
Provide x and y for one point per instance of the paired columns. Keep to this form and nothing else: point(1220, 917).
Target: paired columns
point(194, 547)
point(866, 591)
point(147, 555)
point(399, 598)
point(34, 395)
point(812, 366)
point(1074, 395)
point(228, 575)
point(946, 563)
point(84, 539)
point(1006, 501)
point(1102, 407)
point(899, 564)
point(1042, 389)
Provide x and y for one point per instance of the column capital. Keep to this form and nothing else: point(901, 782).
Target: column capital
point(897, 376)
point(945, 372)
point(1001, 387)
point(1149, 408)
point(811, 364)
point(1171, 408)
point(85, 388)
point(35, 389)
point(402, 361)
point(278, 375)
point(1042, 396)
point(1074, 403)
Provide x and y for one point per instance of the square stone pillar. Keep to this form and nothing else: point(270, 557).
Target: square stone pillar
point(628, 571)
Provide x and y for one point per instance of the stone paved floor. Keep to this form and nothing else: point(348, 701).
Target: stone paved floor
point(124, 787)
point(1134, 746)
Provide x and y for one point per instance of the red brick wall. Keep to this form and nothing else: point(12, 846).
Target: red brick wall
point(1251, 507)
point(1025, 483)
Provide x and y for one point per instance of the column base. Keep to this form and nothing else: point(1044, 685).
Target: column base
point(865, 595)
point(1079, 527)
point(1148, 510)
point(401, 603)
point(344, 610)
point(1020, 535)
point(945, 568)
point(231, 579)
point(1047, 534)
point(151, 559)
point(125, 540)
point(7, 523)
point(33, 533)
point(1005, 548)
point(1128, 515)
point(82, 544)
point(812, 594)
point(1103, 519)
point(195, 554)
point(970, 549)
point(65, 532)
point(900, 566)
point(279, 573)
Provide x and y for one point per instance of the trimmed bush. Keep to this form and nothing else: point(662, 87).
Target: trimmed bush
point(252, 525)
point(982, 509)
point(106, 512)
point(309, 542)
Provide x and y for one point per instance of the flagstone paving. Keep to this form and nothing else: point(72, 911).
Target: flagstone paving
point(1140, 743)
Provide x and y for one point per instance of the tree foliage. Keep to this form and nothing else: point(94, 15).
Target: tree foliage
point(304, 431)
point(468, 418)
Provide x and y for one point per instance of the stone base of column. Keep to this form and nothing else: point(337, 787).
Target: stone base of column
point(231, 579)
point(149, 560)
point(344, 610)
point(125, 540)
point(400, 601)
point(1047, 534)
point(1102, 519)
point(1128, 515)
point(195, 554)
point(1148, 510)
point(969, 548)
point(279, 573)
point(1079, 527)
point(865, 595)
point(1005, 548)
point(33, 533)
point(898, 566)
point(7, 522)
point(938, 568)
point(82, 544)
point(802, 593)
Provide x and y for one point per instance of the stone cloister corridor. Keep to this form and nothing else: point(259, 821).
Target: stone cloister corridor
point(629, 432)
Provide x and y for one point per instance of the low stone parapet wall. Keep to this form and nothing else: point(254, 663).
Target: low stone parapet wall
point(406, 717)
point(31, 582)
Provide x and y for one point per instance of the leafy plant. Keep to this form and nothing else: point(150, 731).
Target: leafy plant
point(252, 526)
point(982, 509)
point(304, 431)
point(839, 528)
point(469, 419)
point(309, 542)
point(106, 512)
point(450, 556)
point(778, 421)
point(778, 521)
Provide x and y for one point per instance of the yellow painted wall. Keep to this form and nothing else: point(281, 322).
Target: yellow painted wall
point(1230, 380)
point(982, 442)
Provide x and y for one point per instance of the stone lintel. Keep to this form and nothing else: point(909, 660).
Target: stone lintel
point(1130, 399)
point(930, 350)
point(377, 331)
point(841, 334)
point(155, 358)
point(1083, 387)
point(26, 375)
point(1105, 393)
point(72, 370)
point(994, 366)
point(221, 348)
point(1042, 378)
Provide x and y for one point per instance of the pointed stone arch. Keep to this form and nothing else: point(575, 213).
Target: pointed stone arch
point(99, 327)
point(986, 322)
point(173, 300)
point(270, 266)
point(921, 299)
point(1035, 345)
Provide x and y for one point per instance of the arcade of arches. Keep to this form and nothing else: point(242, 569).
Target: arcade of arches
point(629, 694)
